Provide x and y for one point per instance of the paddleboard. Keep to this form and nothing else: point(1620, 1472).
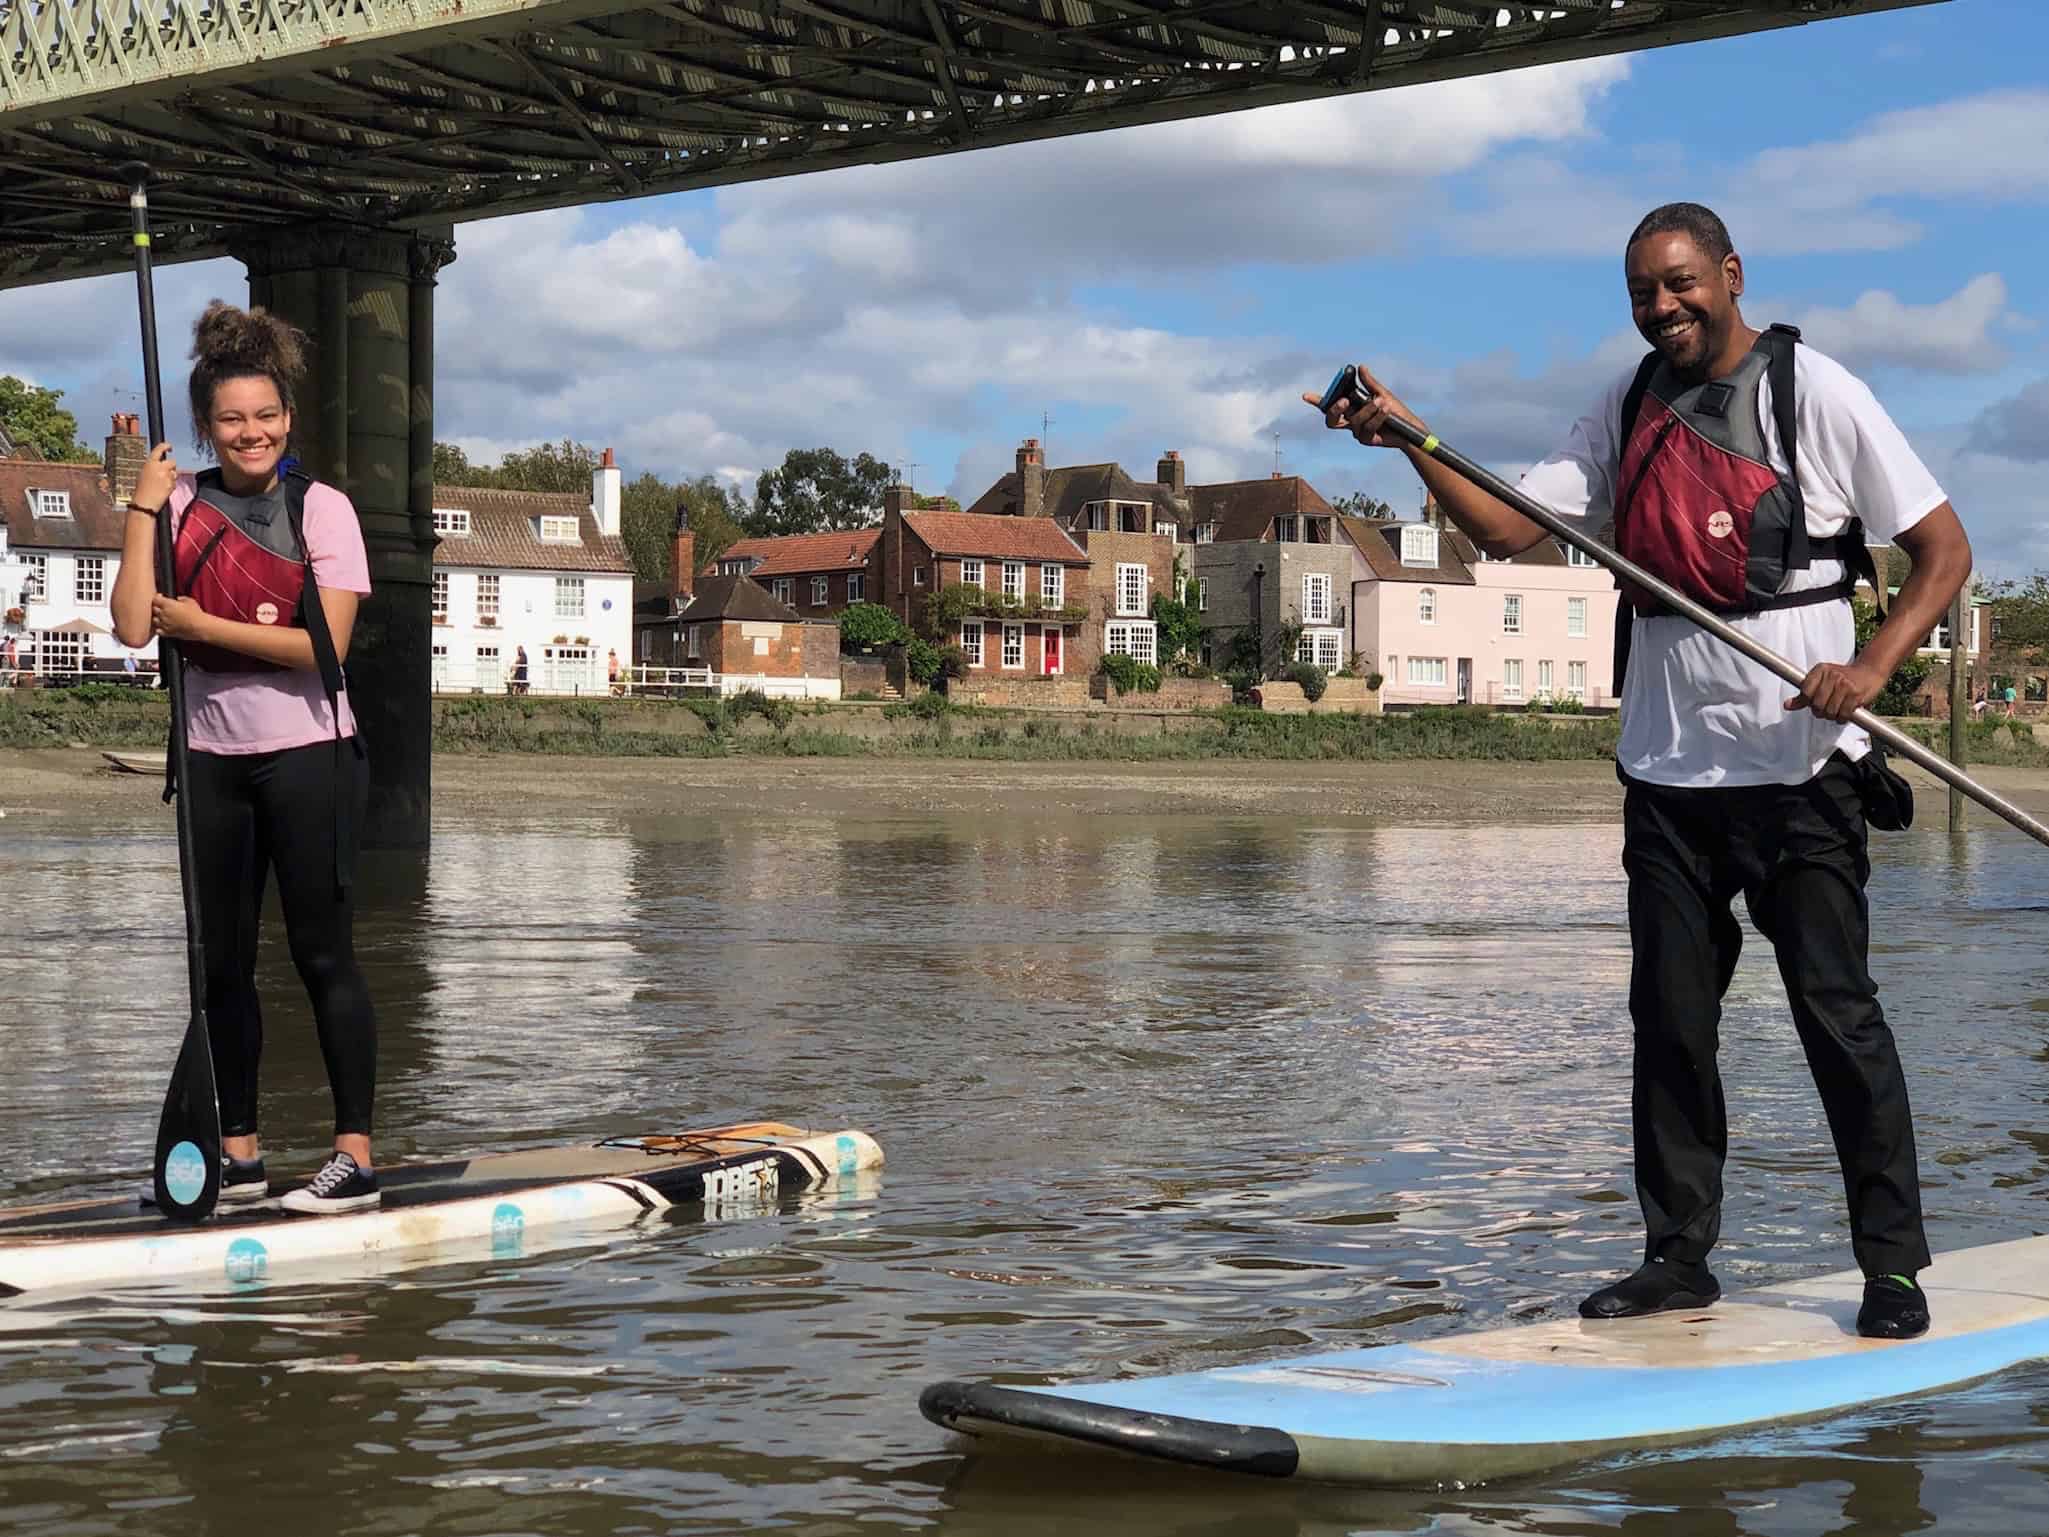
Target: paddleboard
point(135, 762)
point(481, 1206)
point(1487, 1405)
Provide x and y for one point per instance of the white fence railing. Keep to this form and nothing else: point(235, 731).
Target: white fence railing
point(639, 681)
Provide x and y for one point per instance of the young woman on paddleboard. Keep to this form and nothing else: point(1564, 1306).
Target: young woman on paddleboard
point(270, 566)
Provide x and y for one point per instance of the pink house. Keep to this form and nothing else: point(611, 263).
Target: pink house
point(1447, 625)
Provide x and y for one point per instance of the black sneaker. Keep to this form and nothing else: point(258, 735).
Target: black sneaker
point(243, 1183)
point(341, 1185)
point(1659, 1286)
point(1894, 1308)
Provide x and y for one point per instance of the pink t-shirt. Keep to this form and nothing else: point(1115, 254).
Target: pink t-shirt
point(270, 710)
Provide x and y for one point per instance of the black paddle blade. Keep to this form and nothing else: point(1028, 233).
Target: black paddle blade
point(188, 1161)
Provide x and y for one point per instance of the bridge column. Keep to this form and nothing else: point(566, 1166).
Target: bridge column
point(365, 423)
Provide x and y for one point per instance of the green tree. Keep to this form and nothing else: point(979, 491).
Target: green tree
point(2020, 613)
point(816, 491)
point(1180, 628)
point(38, 425)
point(716, 515)
point(452, 467)
point(564, 466)
point(870, 624)
point(1358, 504)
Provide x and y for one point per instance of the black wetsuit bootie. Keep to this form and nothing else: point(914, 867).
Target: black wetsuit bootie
point(1894, 1309)
point(1659, 1286)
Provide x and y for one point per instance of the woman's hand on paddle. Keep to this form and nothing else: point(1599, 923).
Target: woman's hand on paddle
point(1837, 690)
point(177, 618)
point(1364, 418)
point(159, 475)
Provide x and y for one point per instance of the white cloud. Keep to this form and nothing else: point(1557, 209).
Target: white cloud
point(2015, 428)
point(1987, 147)
point(1951, 336)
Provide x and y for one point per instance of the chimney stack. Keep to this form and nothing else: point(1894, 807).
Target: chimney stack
point(605, 494)
point(126, 455)
point(1031, 480)
point(683, 561)
point(1173, 473)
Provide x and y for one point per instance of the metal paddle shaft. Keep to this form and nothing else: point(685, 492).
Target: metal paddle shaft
point(187, 1174)
point(1764, 656)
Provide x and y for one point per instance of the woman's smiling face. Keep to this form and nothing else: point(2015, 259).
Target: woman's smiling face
point(249, 428)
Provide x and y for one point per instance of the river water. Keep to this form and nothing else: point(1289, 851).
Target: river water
point(1156, 1094)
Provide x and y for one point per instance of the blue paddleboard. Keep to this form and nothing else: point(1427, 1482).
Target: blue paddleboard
point(1536, 1396)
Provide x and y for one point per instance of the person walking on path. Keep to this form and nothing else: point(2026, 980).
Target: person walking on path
point(270, 567)
point(1743, 468)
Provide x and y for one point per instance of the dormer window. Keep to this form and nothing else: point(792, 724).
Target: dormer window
point(1575, 556)
point(453, 522)
point(559, 530)
point(1205, 533)
point(50, 504)
point(1287, 530)
point(1419, 545)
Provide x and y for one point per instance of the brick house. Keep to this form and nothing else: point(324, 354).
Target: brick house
point(747, 638)
point(61, 531)
point(1030, 591)
point(816, 574)
point(1269, 553)
point(1130, 532)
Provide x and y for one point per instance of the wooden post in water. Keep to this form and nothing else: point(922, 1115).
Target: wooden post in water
point(1959, 695)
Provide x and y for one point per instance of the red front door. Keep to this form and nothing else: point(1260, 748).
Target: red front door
point(1052, 651)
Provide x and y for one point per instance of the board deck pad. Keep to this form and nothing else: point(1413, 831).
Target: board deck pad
point(492, 1199)
point(1518, 1400)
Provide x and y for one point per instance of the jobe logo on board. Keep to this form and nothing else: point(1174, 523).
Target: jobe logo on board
point(508, 1229)
point(184, 1173)
point(247, 1261)
point(757, 1181)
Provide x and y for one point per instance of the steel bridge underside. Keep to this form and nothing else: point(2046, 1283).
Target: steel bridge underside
point(415, 114)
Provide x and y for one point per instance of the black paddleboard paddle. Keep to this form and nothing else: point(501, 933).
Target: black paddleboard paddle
point(187, 1170)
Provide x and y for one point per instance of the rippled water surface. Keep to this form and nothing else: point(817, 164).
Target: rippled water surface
point(1155, 1093)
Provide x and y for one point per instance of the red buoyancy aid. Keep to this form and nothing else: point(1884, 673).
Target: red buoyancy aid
point(242, 569)
point(1701, 505)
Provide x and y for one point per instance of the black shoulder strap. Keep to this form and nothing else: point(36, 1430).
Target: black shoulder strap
point(1778, 342)
point(311, 614)
point(314, 618)
point(1632, 407)
point(1632, 403)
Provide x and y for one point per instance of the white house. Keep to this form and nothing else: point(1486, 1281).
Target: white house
point(541, 572)
point(60, 547)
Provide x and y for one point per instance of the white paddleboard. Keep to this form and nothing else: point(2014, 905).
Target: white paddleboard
point(1518, 1400)
point(481, 1207)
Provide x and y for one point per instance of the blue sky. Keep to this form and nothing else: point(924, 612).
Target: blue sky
point(1174, 287)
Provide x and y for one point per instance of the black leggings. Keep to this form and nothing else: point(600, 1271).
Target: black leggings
point(257, 812)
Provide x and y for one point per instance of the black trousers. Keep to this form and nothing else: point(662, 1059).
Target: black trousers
point(253, 814)
point(1798, 855)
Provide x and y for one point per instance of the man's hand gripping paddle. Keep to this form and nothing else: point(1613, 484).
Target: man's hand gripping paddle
point(1350, 385)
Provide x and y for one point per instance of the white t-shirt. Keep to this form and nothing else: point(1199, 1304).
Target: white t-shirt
point(1696, 712)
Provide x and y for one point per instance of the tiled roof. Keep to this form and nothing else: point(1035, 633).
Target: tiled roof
point(95, 522)
point(1073, 487)
point(803, 554)
point(736, 597)
point(1243, 509)
point(995, 537)
point(504, 536)
point(1381, 543)
point(1545, 552)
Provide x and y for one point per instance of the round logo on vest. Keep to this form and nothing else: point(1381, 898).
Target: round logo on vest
point(1720, 526)
point(266, 613)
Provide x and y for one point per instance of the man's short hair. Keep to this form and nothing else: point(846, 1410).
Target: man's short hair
point(1702, 224)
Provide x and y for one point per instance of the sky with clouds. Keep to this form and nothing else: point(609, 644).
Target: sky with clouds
point(1178, 286)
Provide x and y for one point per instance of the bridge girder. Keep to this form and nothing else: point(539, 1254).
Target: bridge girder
point(410, 114)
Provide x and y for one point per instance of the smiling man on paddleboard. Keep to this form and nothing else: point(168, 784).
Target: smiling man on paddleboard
point(1743, 469)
